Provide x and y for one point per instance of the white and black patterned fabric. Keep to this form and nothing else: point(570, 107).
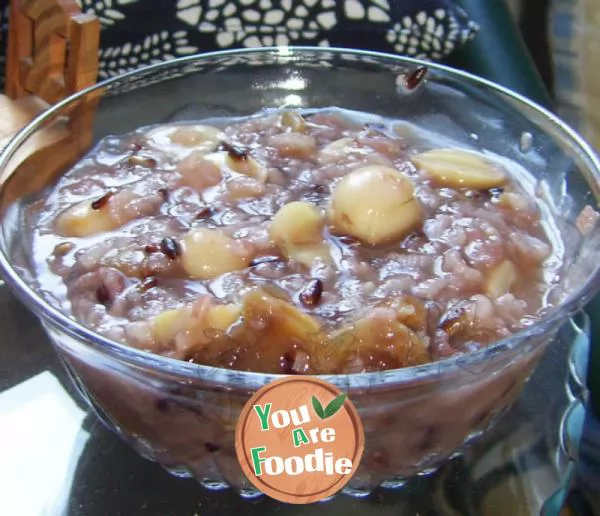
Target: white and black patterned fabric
point(136, 33)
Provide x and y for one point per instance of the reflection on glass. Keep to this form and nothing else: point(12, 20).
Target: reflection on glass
point(294, 82)
point(293, 100)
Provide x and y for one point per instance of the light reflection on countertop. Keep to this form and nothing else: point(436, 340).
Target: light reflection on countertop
point(41, 440)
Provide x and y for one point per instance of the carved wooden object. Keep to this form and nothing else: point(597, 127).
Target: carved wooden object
point(52, 53)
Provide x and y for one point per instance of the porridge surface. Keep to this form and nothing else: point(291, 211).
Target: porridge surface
point(327, 242)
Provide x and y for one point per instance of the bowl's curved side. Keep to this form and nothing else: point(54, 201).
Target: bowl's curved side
point(189, 428)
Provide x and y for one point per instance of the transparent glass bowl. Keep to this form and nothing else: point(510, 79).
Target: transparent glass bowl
point(184, 415)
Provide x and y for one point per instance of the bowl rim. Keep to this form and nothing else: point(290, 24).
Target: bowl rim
point(217, 376)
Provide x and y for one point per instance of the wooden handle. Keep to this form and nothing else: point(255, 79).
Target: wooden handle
point(52, 49)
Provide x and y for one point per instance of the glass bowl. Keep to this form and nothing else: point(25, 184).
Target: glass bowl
point(183, 415)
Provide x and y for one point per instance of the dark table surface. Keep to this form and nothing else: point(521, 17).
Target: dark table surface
point(56, 458)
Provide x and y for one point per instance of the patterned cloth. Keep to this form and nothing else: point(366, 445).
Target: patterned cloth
point(136, 33)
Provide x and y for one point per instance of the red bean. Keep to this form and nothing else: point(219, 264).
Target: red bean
point(170, 247)
point(311, 294)
point(100, 203)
